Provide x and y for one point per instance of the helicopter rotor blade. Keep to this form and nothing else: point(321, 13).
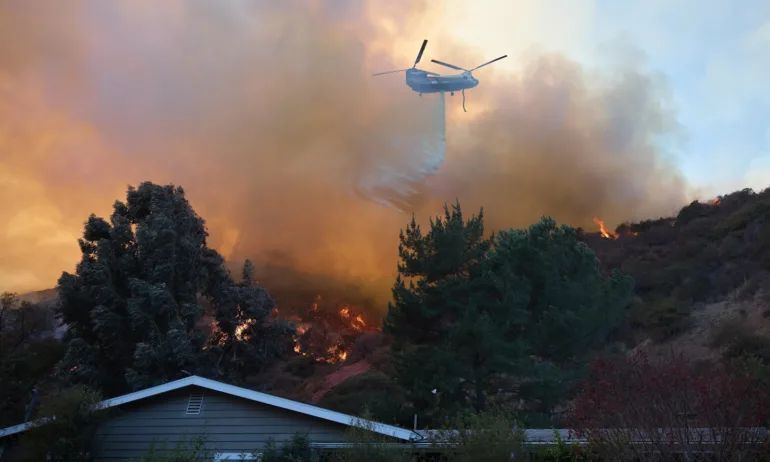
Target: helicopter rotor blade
point(419, 55)
point(451, 66)
point(433, 74)
point(389, 72)
point(489, 62)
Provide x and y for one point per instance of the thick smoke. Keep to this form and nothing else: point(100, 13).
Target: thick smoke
point(266, 113)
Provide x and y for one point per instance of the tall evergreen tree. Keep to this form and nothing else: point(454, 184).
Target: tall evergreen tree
point(430, 317)
point(478, 312)
point(133, 305)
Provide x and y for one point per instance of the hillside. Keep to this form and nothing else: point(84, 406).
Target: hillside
point(709, 253)
point(702, 285)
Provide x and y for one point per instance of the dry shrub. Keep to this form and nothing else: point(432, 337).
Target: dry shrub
point(638, 409)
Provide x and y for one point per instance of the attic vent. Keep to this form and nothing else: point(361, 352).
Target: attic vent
point(195, 404)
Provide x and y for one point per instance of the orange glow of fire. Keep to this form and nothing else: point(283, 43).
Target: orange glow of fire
point(606, 234)
point(715, 201)
point(337, 354)
point(239, 331)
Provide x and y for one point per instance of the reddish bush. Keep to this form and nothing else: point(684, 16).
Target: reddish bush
point(669, 406)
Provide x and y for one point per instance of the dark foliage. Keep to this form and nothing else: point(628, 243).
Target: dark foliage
point(134, 308)
point(480, 311)
point(27, 356)
point(707, 251)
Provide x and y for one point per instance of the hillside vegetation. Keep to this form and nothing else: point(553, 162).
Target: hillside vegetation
point(477, 322)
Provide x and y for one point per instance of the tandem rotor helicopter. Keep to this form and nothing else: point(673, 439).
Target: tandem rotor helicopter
point(430, 82)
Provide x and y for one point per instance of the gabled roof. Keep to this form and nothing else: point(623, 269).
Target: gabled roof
point(250, 395)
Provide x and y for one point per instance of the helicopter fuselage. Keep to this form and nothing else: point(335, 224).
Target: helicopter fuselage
point(422, 82)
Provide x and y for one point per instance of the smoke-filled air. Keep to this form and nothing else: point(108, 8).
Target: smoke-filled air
point(267, 114)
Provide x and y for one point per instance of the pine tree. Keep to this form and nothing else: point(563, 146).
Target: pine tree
point(477, 313)
point(437, 312)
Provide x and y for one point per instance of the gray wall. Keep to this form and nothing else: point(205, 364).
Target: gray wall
point(230, 424)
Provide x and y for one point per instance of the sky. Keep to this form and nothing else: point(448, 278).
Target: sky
point(714, 57)
point(266, 113)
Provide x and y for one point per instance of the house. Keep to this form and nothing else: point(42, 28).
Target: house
point(235, 421)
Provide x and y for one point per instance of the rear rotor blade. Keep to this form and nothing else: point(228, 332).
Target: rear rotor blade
point(389, 72)
point(419, 55)
point(452, 66)
point(489, 62)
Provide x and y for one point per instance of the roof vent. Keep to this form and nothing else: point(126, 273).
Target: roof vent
point(195, 404)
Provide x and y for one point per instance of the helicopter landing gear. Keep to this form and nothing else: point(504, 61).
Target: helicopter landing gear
point(451, 93)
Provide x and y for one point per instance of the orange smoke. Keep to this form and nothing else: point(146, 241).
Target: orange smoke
point(266, 113)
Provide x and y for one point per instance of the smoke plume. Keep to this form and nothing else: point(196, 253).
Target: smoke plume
point(265, 111)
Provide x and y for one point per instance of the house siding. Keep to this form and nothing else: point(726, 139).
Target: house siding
point(229, 424)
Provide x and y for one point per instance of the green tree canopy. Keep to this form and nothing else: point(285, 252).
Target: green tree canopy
point(562, 305)
point(133, 306)
point(478, 311)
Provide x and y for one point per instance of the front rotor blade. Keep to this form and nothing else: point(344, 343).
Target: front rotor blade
point(419, 55)
point(389, 72)
point(489, 62)
point(452, 66)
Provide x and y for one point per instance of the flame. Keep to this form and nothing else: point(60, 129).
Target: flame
point(336, 354)
point(345, 312)
point(242, 327)
point(606, 234)
point(715, 201)
point(314, 306)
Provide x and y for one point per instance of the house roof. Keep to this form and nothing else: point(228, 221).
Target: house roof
point(250, 395)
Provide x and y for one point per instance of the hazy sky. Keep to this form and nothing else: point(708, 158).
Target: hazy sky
point(265, 111)
point(714, 56)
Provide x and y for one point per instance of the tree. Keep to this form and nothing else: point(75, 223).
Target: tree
point(480, 311)
point(426, 317)
point(560, 305)
point(133, 306)
point(26, 356)
point(668, 405)
point(246, 335)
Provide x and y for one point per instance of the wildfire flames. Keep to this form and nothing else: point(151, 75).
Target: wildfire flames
point(239, 331)
point(328, 335)
point(606, 234)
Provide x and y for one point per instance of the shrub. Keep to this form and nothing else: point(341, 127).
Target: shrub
point(668, 405)
point(490, 436)
point(564, 452)
point(65, 426)
point(368, 446)
point(738, 341)
point(297, 449)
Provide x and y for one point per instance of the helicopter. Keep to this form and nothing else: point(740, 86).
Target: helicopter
point(430, 82)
